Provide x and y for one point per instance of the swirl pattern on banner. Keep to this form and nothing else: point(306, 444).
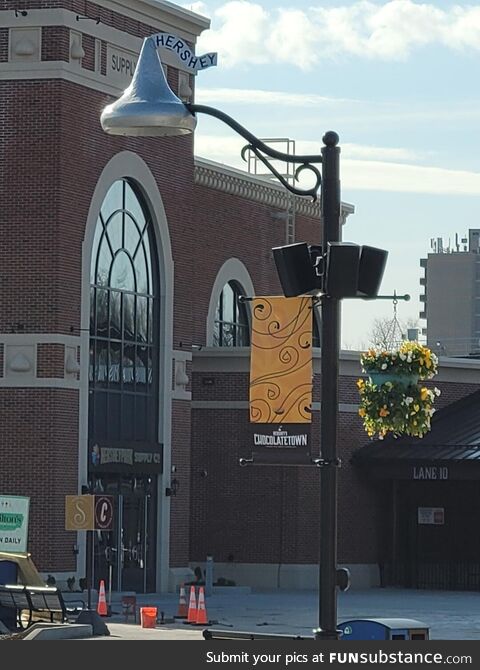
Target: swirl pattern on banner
point(281, 360)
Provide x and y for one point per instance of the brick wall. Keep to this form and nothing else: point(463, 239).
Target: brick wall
point(51, 360)
point(55, 43)
point(3, 45)
point(39, 447)
point(88, 44)
point(90, 9)
point(270, 514)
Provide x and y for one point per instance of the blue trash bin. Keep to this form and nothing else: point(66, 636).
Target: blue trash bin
point(383, 629)
point(8, 575)
point(8, 572)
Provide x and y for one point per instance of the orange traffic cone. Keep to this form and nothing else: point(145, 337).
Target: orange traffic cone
point(182, 612)
point(192, 607)
point(102, 601)
point(202, 618)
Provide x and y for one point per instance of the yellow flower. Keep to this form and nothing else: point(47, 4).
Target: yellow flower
point(384, 411)
point(360, 383)
point(361, 412)
point(423, 393)
point(416, 408)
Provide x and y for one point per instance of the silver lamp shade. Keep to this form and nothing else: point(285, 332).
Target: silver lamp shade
point(148, 106)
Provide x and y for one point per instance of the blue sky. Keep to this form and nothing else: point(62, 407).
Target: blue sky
point(397, 80)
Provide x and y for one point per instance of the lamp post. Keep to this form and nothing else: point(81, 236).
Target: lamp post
point(149, 107)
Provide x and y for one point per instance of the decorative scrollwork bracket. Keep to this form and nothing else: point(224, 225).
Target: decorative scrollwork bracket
point(262, 150)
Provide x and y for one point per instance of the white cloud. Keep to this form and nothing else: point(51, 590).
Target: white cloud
point(260, 97)
point(244, 32)
point(386, 174)
point(383, 176)
point(346, 109)
point(357, 151)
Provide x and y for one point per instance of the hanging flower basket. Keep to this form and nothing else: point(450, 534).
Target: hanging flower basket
point(393, 399)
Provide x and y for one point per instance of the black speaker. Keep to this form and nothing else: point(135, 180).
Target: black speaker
point(371, 269)
point(343, 260)
point(295, 269)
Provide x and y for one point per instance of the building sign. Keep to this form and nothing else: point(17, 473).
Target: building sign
point(14, 523)
point(131, 458)
point(79, 512)
point(121, 65)
point(103, 512)
point(430, 472)
point(289, 436)
point(281, 374)
point(431, 516)
point(183, 52)
point(88, 512)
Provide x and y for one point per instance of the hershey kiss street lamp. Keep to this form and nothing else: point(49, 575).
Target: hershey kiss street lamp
point(148, 107)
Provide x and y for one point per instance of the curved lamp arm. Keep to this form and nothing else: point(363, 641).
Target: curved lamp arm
point(261, 150)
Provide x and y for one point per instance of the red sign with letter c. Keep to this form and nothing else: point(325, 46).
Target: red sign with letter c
point(103, 512)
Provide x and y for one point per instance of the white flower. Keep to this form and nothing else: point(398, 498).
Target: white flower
point(402, 356)
point(384, 366)
point(437, 391)
point(408, 400)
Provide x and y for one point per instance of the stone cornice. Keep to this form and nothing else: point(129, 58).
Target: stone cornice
point(252, 187)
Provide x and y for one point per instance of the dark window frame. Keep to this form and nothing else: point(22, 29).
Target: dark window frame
point(123, 377)
point(233, 332)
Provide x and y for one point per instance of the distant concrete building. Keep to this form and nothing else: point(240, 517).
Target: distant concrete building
point(452, 296)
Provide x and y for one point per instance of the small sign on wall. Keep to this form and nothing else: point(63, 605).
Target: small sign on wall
point(88, 512)
point(431, 516)
point(14, 523)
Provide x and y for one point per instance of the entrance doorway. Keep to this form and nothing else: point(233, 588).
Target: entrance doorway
point(126, 556)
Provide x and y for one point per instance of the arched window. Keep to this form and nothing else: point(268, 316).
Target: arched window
point(231, 327)
point(123, 336)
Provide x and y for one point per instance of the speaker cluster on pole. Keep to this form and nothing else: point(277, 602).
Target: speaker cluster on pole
point(344, 270)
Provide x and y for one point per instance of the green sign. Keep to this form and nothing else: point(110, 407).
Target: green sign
point(14, 523)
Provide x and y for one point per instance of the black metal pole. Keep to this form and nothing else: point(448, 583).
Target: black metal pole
point(88, 569)
point(330, 213)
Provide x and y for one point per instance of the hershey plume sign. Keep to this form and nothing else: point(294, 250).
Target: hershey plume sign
point(184, 54)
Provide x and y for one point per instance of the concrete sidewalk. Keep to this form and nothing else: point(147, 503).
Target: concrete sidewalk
point(450, 615)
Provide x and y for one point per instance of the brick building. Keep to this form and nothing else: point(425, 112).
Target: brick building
point(124, 348)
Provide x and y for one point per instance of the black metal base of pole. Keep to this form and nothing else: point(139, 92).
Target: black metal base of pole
point(320, 634)
point(99, 627)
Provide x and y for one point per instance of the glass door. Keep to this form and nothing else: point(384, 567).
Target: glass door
point(126, 556)
point(137, 538)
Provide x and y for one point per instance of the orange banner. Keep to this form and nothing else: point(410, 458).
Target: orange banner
point(281, 360)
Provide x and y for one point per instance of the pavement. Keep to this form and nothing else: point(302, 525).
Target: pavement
point(450, 615)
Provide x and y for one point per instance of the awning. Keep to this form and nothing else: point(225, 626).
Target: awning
point(451, 450)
